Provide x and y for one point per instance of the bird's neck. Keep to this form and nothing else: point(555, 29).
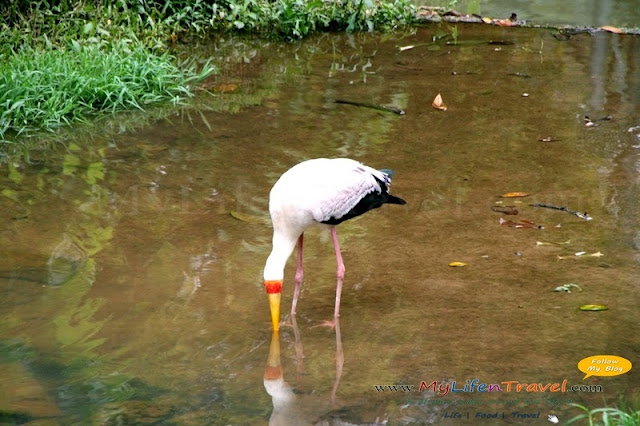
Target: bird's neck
point(274, 268)
point(282, 248)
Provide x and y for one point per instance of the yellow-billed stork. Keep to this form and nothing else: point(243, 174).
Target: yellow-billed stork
point(319, 191)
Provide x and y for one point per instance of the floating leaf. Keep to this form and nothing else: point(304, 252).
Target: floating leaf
point(457, 264)
point(515, 194)
point(593, 308)
point(611, 29)
point(438, 103)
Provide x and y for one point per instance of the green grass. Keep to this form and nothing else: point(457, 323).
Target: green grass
point(157, 24)
point(44, 89)
point(65, 60)
point(624, 416)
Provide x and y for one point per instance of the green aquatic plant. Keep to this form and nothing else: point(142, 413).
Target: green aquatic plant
point(624, 416)
point(44, 89)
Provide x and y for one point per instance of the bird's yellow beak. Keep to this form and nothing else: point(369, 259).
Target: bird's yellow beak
point(274, 293)
point(274, 305)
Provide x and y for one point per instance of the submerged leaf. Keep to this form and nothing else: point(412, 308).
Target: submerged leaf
point(245, 217)
point(438, 103)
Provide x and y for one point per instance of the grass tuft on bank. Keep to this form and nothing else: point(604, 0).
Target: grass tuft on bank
point(44, 89)
point(160, 23)
point(63, 60)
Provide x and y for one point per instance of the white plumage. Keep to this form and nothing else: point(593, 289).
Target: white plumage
point(319, 191)
point(324, 188)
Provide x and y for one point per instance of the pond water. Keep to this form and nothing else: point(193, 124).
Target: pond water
point(132, 254)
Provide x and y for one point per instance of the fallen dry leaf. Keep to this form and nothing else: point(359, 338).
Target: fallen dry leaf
point(611, 29)
point(505, 23)
point(457, 264)
point(438, 103)
point(515, 194)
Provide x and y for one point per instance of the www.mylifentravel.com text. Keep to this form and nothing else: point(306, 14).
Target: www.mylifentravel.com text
point(490, 415)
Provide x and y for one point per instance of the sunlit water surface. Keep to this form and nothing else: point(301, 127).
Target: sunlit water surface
point(131, 264)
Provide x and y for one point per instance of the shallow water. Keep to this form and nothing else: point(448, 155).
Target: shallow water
point(132, 260)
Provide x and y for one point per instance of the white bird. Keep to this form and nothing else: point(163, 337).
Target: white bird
point(320, 191)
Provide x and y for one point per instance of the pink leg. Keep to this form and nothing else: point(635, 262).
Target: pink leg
point(340, 278)
point(298, 277)
point(339, 271)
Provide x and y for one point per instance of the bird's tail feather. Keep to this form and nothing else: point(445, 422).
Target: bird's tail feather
point(394, 200)
point(387, 172)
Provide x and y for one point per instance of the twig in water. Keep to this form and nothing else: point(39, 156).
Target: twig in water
point(386, 108)
point(584, 215)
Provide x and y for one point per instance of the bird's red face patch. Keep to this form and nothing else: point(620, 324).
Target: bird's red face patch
point(274, 286)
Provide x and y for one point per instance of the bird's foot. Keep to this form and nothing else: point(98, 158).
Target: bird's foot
point(331, 324)
point(286, 323)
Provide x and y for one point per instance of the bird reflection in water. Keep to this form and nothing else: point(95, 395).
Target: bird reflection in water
point(290, 407)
